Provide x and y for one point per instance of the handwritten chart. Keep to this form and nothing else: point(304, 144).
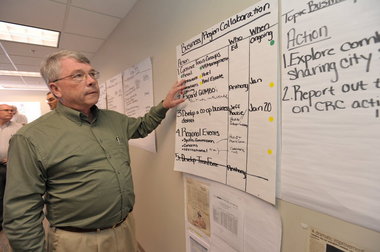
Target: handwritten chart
point(114, 88)
point(138, 98)
point(331, 103)
point(102, 102)
point(226, 130)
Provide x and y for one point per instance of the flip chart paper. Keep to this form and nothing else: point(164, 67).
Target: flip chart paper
point(330, 104)
point(138, 98)
point(226, 129)
point(114, 87)
point(102, 102)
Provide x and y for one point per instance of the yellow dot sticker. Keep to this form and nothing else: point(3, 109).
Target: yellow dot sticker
point(201, 82)
point(271, 119)
point(270, 152)
point(271, 84)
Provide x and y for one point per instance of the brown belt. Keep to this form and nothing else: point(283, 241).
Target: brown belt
point(86, 230)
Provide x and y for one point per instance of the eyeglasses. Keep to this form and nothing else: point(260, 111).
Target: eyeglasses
point(7, 110)
point(81, 76)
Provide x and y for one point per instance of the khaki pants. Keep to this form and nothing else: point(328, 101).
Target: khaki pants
point(119, 239)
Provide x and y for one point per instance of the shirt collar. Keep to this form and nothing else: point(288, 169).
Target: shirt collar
point(75, 115)
point(6, 124)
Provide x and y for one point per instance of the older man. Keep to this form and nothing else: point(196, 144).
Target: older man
point(7, 129)
point(78, 156)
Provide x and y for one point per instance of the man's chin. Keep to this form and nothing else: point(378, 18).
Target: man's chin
point(92, 102)
point(92, 98)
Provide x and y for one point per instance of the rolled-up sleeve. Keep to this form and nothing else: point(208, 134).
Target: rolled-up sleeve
point(23, 202)
point(142, 126)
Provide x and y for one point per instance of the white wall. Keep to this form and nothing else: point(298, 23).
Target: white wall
point(154, 28)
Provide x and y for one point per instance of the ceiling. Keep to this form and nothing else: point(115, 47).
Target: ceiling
point(84, 27)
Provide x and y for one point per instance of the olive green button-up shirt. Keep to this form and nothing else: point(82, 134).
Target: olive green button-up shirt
point(82, 168)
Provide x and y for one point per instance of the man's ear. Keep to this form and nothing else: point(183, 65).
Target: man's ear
point(55, 89)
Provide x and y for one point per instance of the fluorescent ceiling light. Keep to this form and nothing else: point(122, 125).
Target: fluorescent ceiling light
point(28, 34)
point(20, 73)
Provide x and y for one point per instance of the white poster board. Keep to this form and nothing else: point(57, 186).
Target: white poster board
point(226, 128)
point(331, 101)
point(138, 98)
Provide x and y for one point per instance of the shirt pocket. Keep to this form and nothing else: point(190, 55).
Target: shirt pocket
point(117, 147)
